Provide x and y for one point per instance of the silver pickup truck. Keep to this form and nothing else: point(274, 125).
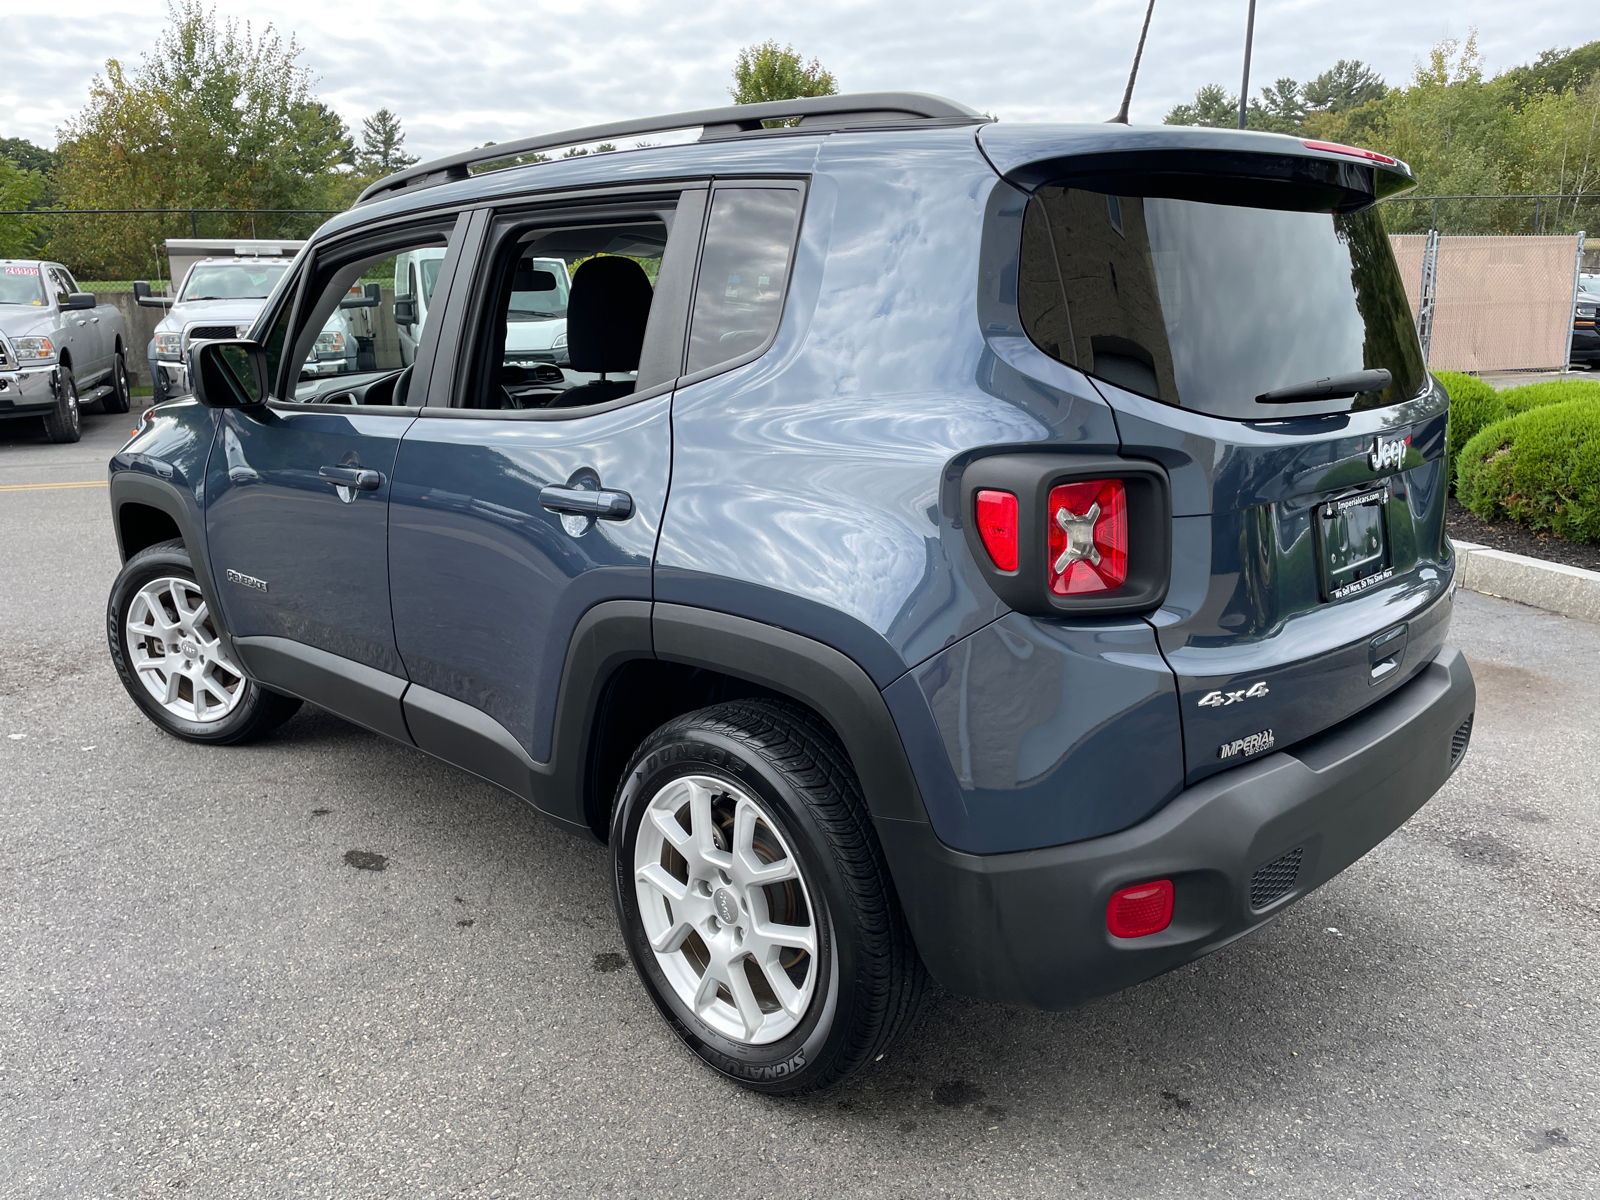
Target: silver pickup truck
point(59, 350)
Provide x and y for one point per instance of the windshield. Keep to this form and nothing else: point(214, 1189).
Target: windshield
point(21, 285)
point(232, 281)
point(539, 291)
point(1208, 306)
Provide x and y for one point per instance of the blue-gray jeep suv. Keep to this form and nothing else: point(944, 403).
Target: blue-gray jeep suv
point(1010, 556)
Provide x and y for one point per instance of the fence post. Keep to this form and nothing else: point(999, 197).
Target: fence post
point(1536, 216)
point(1430, 267)
point(1577, 272)
point(194, 230)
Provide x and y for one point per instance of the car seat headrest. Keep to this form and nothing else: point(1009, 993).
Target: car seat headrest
point(607, 312)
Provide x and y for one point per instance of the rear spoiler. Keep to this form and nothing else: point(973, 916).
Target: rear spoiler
point(1221, 166)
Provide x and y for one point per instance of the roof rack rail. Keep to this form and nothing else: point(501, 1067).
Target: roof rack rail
point(863, 109)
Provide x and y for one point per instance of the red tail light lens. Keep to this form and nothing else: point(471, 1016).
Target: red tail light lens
point(1088, 536)
point(1341, 148)
point(997, 526)
point(1139, 911)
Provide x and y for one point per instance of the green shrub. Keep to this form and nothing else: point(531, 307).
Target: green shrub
point(1540, 467)
point(1473, 405)
point(1554, 391)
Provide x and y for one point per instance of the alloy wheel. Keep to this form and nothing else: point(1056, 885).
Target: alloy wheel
point(175, 651)
point(726, 909)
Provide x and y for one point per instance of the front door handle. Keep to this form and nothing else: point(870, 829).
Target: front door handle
point(363, 479)
point(581, 502)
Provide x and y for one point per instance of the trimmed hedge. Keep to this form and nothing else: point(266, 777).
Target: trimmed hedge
point(1540, 466)
point(1474, 406)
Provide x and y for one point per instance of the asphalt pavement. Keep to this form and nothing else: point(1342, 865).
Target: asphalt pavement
point(327, 965)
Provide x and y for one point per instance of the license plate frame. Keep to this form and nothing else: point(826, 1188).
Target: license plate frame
point(1353, 542)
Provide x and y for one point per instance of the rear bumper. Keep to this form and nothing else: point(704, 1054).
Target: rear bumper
point(1029, 927)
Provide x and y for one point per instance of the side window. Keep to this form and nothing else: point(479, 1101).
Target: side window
point(60, 285)
point(353, 323)
point(743, 271)
point(566, 310)
point(278, 333)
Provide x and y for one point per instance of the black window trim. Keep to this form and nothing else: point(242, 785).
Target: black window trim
point(459, 334)
point(802, 183)
point(377, 236)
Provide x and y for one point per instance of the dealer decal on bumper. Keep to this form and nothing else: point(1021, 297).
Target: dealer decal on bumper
point(1246, 746)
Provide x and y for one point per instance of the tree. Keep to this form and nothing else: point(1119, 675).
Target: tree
point(1211, 106)
point(215, 116)
point(381, 142)
point(771, 72)
point(18, 189)
point(1348, 84)
point(28, 156)
point(1281, 109)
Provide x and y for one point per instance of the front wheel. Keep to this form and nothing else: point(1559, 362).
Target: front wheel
point(64, 423)
point(755, 901)
point(167, 647)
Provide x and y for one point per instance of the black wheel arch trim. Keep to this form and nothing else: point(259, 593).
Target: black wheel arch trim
point(135, 487)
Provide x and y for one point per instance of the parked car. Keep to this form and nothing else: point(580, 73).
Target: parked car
point(1051, 588)
point(1585, 337)
point(536, 329)
point(62, 349)
point(220, 295)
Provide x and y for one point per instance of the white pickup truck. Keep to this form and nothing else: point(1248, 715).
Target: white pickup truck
point(59, 349)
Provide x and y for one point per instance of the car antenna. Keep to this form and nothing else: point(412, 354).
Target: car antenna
point(1127, 96)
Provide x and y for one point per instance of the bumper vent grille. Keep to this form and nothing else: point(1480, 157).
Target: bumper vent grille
point(1274, 881)
point(1458, 742)
point(212, 332)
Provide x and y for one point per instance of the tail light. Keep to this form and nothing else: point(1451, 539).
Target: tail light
point(1064, 533)
point(1088, 537)
point(997, 526)
point(1355, 151)
point(1139, 911)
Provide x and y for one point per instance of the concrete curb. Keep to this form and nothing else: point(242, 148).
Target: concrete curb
point(1570, 591)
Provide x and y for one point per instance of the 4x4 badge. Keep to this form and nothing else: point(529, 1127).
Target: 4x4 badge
point(1223, 699)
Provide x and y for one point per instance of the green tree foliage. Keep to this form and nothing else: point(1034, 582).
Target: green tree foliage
point(1531, 130)
point(215, 116)
point(18, 189)
point(773, 72)
point(381, 141)
point(28, 156)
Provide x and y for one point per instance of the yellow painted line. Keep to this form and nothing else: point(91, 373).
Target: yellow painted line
point(45, 487)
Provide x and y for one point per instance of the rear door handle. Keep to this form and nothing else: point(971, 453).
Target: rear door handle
point(581, 502)
point(363, 479)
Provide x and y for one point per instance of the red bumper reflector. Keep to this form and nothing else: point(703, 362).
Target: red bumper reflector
point(1141, 910)
point(997, 526)
point(1088, 536)
point(1341, 148)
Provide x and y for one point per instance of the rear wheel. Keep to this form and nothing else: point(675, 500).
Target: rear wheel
point(754, 899)
point(64, 423)
point(121, 393)
point(167, 647)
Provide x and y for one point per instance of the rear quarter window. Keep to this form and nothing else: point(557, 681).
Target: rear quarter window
point(743, 270)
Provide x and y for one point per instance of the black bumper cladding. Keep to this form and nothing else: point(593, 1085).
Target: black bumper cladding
point(983, 923)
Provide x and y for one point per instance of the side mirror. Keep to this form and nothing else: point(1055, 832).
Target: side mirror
point(228, 374)
point(371, 296)
point(144, 299)
point(79, 300)
point(405, 310)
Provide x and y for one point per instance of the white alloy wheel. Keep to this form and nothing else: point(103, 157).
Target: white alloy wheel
point(725, 909)
point(174, 648)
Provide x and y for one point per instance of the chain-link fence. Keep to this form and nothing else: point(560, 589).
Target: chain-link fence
point(127, 243)
point(1524, 214)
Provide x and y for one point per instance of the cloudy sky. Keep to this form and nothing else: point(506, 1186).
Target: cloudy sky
point(465, 73)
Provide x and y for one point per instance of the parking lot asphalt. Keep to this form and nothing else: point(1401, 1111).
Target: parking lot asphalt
point(200, 994)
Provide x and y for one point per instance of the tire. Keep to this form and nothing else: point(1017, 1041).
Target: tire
point(65, 422)
point(211, 701)
point(773, 778)
point(121, 393)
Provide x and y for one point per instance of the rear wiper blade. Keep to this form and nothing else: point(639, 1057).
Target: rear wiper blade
point(1334, 387)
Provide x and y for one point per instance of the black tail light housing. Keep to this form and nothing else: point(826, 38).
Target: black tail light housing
point(1109, 519)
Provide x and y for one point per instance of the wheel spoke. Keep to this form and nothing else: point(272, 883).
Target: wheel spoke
point(744, 999)
point(791, 997)
point(672, 938)
point(705, 993)
point(666, 820)
point(794, 937)
point(657, 877)
point(705, 827)
point(172, 678)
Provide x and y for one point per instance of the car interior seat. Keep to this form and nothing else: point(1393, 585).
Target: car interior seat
point(607, 311)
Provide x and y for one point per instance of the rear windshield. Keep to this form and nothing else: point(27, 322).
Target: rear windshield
point(1208, 306)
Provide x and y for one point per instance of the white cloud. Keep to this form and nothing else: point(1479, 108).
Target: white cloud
point(463, 74)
